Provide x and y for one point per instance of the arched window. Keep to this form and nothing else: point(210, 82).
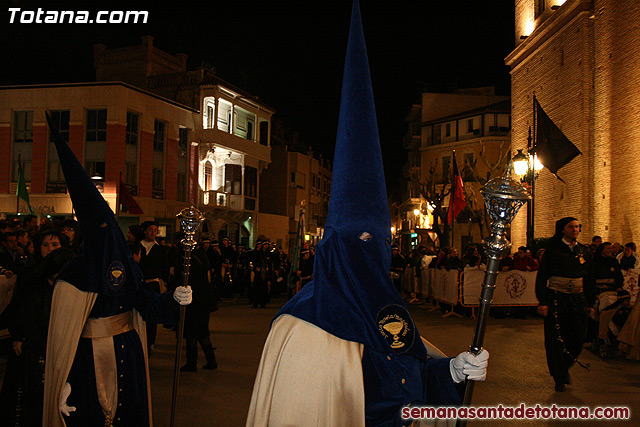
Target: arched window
point(208, 116)
point(208, 176)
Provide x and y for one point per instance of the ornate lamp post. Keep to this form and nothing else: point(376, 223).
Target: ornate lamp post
point(528, 167)
point(503, 197)
point(190, 220)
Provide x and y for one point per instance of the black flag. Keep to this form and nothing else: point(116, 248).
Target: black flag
point(553, 148)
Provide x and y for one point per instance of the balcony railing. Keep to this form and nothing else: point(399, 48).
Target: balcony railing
point(214, 199)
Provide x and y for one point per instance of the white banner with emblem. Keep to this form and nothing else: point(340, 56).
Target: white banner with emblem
point(512, 287)
point(631, 283)
point(445, 286)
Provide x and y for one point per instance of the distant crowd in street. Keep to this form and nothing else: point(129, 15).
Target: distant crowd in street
point(32, 252)
point(409, 273)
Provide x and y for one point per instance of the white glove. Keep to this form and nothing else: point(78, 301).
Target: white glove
point(183, 294)
point(468, 366)
point(64, 408)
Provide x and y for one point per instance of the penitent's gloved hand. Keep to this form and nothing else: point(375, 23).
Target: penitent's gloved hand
point(183, 294)
point(64, 408)
point(468, 366)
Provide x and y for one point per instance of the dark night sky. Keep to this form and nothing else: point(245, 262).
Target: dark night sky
point(289, 53)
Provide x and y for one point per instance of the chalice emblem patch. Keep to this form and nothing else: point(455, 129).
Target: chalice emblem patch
point(116, 275)
point(396, 326)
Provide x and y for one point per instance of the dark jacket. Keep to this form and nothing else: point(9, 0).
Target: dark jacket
point(155, 264)
point(560, 260)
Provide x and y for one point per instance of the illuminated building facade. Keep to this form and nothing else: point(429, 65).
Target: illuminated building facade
point(113, 128)
point(581, 58)
point(476, 124)
point(176, 136)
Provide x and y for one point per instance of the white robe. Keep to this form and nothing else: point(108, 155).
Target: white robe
point(308, 377)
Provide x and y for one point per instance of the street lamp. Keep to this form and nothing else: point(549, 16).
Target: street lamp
point(528, 167)
point(520, 164)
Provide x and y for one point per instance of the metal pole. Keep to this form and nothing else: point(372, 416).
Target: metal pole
point(190, 220)
point(533, 171)
point(452, 199)
point(503, 198)
point(18, 189)
point(529, 181)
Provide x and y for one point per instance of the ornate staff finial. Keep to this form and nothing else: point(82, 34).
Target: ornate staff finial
point(503, 198)
point(190, 220)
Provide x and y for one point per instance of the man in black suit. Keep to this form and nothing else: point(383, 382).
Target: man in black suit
point(12, 256)
point(154, 263)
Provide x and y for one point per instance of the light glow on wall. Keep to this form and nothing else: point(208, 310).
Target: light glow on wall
point(528, 28)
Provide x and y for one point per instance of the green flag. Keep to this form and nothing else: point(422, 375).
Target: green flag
point(22, 192)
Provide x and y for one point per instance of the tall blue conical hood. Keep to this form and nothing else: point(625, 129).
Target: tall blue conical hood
point(358, 192)
point(104, 263)
point(351, 295)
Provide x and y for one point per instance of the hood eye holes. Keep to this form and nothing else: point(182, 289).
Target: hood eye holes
point(365, 237)
point(103, 225)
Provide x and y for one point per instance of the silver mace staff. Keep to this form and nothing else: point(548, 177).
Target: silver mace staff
point(190, 220)
point(503, 198)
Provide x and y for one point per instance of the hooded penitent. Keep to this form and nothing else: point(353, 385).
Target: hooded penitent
point(352, 295)
point(104, 264)
point(96, 317)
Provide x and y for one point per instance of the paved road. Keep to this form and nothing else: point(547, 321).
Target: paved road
point(517, 369)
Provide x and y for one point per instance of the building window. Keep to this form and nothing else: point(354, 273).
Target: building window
point(55, 177)
point(208, 119)
point(447, 131)
point(250, 181)
point(182, 187)
point(159, 135)
point(157, 179)
point(97, 125)
point(297, 179)
point(437, 134)
point(131, 173)
point(224, 116)
point(470, 126)
point(183, 142)
point(26, 169)
point(61, 119)
point(133, 121)
point(250, 125)
point(233, 179)
point(208, 176)
point(314, 178)
point(23, 126)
